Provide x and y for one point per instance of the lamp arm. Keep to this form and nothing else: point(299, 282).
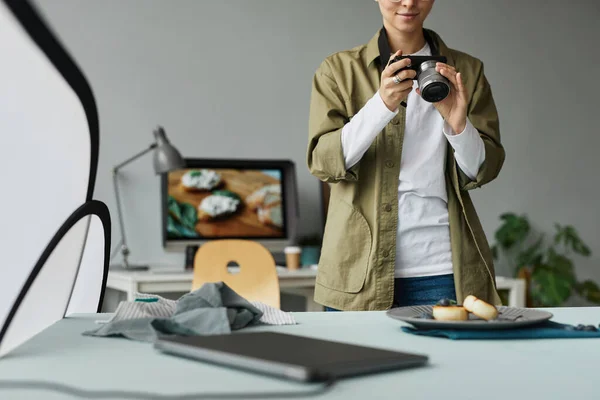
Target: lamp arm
point(117, 167)
point(123, 242)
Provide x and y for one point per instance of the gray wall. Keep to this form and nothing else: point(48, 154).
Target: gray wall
point(232, 78)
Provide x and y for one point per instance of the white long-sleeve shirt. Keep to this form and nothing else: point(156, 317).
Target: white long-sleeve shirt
point(423, 237)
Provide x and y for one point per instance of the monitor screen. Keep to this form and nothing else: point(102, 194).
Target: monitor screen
point(221, 199)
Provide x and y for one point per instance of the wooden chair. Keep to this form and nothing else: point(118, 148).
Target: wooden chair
point(257, 278)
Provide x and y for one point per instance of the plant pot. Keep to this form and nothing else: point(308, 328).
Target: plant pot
point(310, 255)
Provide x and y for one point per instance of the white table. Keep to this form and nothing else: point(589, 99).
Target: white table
point(300, 282)
point(552, 369)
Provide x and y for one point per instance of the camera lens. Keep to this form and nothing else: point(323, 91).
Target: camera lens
point(435, 91)
point(434, 86)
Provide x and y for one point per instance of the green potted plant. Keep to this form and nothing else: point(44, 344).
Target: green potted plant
point(311, 249)
point(547, 268)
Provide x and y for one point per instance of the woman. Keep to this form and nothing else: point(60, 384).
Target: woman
point(401, 228)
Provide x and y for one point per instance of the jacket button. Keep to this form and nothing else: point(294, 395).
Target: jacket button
point(387, 207)
point(389, 163)
point(386, 253)
point(396, 121)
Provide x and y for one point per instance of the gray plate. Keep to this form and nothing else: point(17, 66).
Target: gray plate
point(508, 318)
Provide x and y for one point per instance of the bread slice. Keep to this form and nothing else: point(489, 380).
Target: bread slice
point(257, 198)
point(219, 205)
point(271, 216)
point(450, 313)
point(202, 180)
point(271, 200)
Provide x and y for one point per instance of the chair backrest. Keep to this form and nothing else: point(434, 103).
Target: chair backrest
point(47, 293)
point(257, 278)
point(50, 136)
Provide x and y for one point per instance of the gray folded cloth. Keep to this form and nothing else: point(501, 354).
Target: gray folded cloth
point(212, 309)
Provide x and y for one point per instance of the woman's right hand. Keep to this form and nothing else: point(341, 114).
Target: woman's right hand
point(393, 93)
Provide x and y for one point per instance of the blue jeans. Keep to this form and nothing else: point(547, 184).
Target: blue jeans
point(420, 291)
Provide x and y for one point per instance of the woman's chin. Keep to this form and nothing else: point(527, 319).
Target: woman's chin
point(400, 25)
point(407, 28)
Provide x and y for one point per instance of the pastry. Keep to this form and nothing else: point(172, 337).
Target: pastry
point(200, 180)
point(480, 308)
point(270, 193)
point(468, 302)
point(221, 203)
point(450, 313)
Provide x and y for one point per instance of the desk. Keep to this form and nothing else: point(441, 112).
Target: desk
point(301, 282)
point(554, 369)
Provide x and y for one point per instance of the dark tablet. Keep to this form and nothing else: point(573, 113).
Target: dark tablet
point(290, 356)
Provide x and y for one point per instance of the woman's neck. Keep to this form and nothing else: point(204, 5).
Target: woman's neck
point(409, 43)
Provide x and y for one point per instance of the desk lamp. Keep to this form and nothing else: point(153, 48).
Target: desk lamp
point(166, 158)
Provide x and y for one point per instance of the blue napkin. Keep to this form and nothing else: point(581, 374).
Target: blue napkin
point(547, 330)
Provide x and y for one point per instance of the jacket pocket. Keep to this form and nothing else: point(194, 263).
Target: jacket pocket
point(346, 249)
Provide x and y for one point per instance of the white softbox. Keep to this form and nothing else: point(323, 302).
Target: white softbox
point(48, 162)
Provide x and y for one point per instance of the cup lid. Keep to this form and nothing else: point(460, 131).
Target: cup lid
point(292, 249)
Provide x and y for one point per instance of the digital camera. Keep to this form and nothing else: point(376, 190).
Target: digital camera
point(434, 86)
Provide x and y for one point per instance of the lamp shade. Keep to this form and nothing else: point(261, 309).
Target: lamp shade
point(166, 157)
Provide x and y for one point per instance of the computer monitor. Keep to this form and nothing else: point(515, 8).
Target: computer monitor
point(212, 199)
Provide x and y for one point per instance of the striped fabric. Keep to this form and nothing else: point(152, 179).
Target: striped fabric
point(154, 306)
point(274, 316)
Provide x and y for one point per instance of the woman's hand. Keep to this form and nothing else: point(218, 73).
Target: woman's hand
point(454, 107)
point(393, 93)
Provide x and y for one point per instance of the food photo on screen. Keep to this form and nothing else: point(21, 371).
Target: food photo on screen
point(225, 203)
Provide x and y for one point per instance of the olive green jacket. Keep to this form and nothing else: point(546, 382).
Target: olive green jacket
point(356, 267)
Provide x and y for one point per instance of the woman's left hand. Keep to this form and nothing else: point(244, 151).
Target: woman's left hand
point(454, 107)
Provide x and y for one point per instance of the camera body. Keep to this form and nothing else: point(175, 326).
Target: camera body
point(434, 86)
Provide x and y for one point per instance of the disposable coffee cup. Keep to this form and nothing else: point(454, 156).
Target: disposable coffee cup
point(292, 257)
